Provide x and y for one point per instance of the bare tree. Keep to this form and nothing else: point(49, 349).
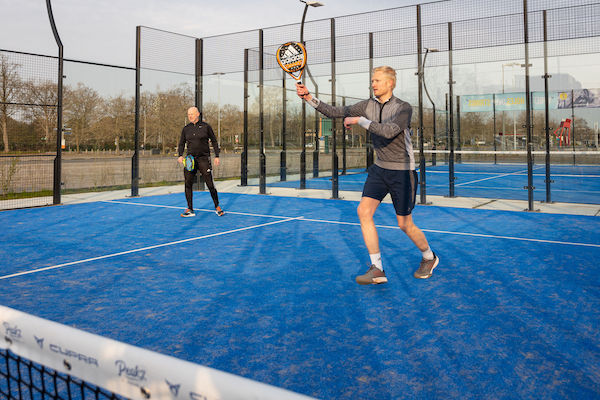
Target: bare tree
point(10, 88)
point(118, 120)
point(81, 105)
point(44, 116)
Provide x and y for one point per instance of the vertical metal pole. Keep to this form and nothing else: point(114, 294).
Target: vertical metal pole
point(135, 162)
point(59, 109)
point(343, 141)
point(199, 79)
point(548, 180)
point(458, 144)
point(368, 141)
point(528, 111)
point(261, 116)
point(282, 160)
point(334, 157)
point(199, 72)
point(451, 115)
point(422, 172)
point(573, 123)
point(447, 132)
point(303, 124)
point(244, 160)
point(316, 139)
point(434, 146)
point(303, 150)
point(494, 132)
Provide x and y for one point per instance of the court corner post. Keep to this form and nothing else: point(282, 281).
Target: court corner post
point(56, 198)
point(135, 161)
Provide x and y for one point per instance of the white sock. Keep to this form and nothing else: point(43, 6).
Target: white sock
point(376, 260)
point(427, 254)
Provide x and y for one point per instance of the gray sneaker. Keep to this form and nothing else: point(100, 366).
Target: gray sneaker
point(426, 268)
point(373, 276)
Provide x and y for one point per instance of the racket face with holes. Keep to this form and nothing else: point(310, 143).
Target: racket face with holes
point(189, 162)
point(291, 57)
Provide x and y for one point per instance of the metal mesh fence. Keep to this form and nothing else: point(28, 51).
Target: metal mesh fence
point(479, 44)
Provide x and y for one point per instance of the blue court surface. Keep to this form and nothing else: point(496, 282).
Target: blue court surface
point(571, 184)
point(267, 292)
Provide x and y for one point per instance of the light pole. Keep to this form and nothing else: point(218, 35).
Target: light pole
point(303, 151)
point(512, 64)
point(428, 50)
point(306, 5)
point(218, 74)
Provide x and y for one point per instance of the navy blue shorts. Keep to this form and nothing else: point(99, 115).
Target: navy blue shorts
point(401, 185)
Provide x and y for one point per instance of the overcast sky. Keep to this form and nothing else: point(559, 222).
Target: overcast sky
point(104, 30)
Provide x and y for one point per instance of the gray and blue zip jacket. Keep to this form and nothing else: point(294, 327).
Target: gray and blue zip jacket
point(389, 126)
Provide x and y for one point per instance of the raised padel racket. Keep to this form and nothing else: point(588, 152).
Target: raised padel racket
point(291, 57)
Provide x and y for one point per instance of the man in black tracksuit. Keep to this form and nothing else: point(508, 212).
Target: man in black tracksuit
point(196, 135)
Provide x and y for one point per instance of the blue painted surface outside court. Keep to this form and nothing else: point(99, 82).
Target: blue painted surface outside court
point(268, 292)
point(571, 184)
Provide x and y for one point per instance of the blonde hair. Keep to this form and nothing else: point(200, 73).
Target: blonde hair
point(389, 73)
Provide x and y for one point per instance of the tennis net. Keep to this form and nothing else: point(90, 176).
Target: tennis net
point(42, 359)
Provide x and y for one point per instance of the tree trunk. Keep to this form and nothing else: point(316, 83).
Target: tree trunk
point(5, 132)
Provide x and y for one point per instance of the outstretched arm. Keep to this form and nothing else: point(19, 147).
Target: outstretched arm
point(322, 107)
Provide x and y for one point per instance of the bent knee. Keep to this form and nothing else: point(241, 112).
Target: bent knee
point(364, 211)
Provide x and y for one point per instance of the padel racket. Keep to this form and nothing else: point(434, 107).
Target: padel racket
point(291, 57)
point(189, 162)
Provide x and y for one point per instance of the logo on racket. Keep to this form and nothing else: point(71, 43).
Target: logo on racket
point(189, 162)
point(291, 57)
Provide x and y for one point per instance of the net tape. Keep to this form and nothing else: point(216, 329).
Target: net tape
point(120, 368)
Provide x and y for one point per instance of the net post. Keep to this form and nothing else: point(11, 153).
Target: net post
point(56, 195)
point(334, 157)
point(261, 117)
point(135, 159)
point(244, 157)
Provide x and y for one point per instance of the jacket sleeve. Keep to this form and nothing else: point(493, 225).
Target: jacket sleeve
point(213, 140)
point(355, 110)
point(181, 145)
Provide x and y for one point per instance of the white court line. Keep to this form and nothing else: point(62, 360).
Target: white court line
point(493, 177)
point(462, 233)
point(518, 173)
point(33, 271)
point(396, 227)
point(196, 209)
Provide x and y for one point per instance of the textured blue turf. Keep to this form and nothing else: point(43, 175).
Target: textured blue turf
point(511, 312)
point(571, 184)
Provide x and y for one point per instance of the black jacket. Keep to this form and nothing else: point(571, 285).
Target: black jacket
point(196, 136)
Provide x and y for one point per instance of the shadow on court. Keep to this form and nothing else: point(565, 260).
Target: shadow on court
point(268, 292)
